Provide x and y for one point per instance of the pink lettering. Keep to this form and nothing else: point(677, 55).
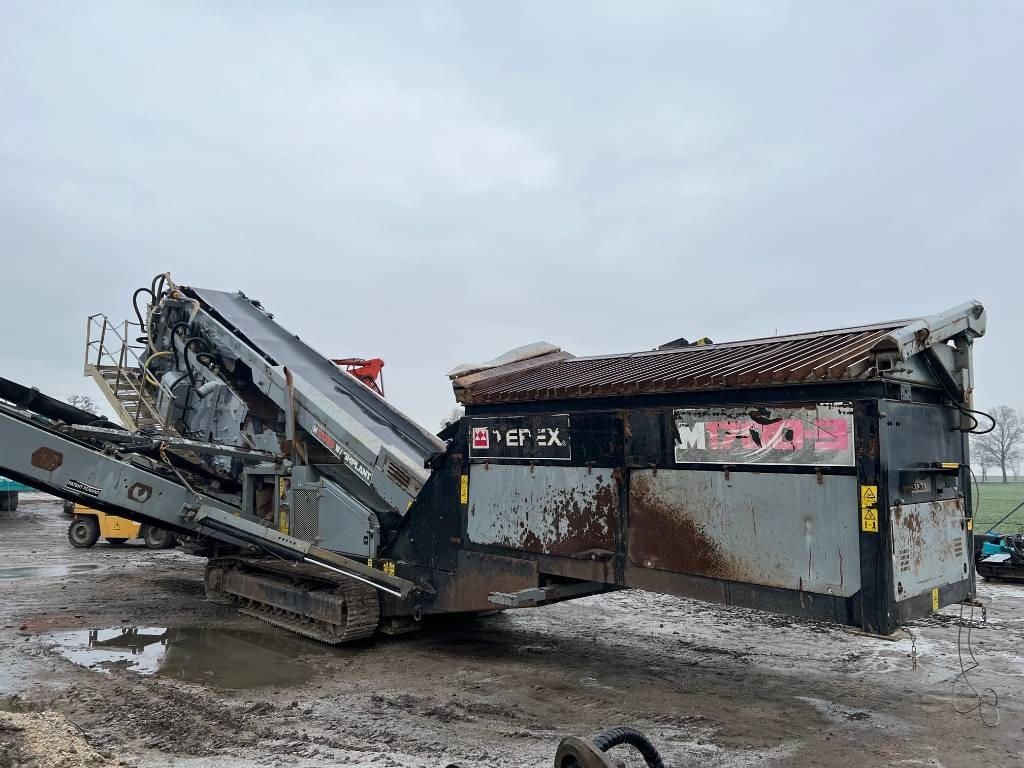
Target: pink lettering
point(785, 435)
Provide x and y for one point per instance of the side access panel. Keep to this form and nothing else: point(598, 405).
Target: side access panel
point(791, 531)
point(929, 547)
point(549, 510)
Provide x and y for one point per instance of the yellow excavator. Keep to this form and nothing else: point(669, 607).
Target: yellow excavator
point(90, 524)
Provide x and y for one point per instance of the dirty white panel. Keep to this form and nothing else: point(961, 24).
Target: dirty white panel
point(929, 546)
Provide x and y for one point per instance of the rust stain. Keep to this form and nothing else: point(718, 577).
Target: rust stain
point(664, 535)
point(572, 520)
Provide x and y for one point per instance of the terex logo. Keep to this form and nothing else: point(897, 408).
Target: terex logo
point(521, 438)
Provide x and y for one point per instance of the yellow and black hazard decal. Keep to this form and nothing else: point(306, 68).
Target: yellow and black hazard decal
point(869, 508)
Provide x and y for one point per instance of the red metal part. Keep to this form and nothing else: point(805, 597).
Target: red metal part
point(367, 371)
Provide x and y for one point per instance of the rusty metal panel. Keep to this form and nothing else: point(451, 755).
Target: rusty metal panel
point(552, 510)
point(929, 546)
point(818, 435)
point(778, 530)
point(837, 355)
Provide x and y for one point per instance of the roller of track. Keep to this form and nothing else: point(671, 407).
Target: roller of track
point(300, 598)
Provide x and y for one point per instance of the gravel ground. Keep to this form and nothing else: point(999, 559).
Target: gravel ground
point(114, 654)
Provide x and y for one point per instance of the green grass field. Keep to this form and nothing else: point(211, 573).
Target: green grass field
point(996, 500)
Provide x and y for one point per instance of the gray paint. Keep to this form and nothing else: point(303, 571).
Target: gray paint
point(323, 514)
point(550, 510)
point(779, 530)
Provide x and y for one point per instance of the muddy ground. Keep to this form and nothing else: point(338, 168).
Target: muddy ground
point(170, 679)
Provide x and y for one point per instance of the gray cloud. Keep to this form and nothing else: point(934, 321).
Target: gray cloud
point(439, 183)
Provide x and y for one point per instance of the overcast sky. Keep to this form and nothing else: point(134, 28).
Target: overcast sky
point(437, 183)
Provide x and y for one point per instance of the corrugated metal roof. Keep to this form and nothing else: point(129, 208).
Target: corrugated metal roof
point(834, 355)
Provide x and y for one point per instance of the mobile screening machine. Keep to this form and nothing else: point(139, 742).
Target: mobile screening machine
point(818, 475)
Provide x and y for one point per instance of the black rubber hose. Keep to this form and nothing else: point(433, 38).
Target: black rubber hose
point(188, 364)
point(634, 738)
point(135, 304)
point(174, 347)
point(158, 285)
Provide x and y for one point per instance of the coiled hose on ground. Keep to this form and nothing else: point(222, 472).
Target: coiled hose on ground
point(574, 752)
point(634, 738)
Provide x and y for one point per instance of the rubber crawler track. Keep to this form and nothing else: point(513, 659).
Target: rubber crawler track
point(344, 610)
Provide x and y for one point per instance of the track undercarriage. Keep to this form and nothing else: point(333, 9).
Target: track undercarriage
point(300, 598)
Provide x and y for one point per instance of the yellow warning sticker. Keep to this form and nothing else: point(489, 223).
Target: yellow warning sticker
point(868, 496)
point(869, 520)
point(970, 523)
point(869, 508)
point(935, 599)
point(464, 489)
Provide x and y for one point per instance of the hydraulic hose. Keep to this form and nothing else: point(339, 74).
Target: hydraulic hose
point(174, 347)
point(145, 367)
point(188, 363)
point(135, 305)
point(634, 738)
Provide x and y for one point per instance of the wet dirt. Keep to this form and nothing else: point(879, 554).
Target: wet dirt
point(201, 685)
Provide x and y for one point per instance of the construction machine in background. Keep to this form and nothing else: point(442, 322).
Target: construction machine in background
point(88, 525)
point(9, 490)
point(1001, 555)
point(818, 475)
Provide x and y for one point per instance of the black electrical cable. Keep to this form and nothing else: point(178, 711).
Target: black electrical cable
point(955, 399)
point(634, 738)
point(977, 700)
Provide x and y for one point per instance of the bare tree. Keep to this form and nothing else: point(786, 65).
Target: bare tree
point(454, 415)
point(84, 402)
point(1004, 446)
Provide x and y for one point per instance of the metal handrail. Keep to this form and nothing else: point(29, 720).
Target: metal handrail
point(122, 358)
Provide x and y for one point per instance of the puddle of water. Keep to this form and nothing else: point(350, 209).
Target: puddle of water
point(44, 571)
point(219, 657)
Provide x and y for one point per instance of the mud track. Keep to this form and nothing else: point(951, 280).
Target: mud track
point(170, 679)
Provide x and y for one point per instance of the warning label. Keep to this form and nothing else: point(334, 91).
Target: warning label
point(869, 520)
point(869, 508)
point(869, 496)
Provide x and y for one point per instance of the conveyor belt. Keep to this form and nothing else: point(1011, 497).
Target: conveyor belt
point(389, 425)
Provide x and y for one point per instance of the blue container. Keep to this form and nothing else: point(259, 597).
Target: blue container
point(11, 485)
